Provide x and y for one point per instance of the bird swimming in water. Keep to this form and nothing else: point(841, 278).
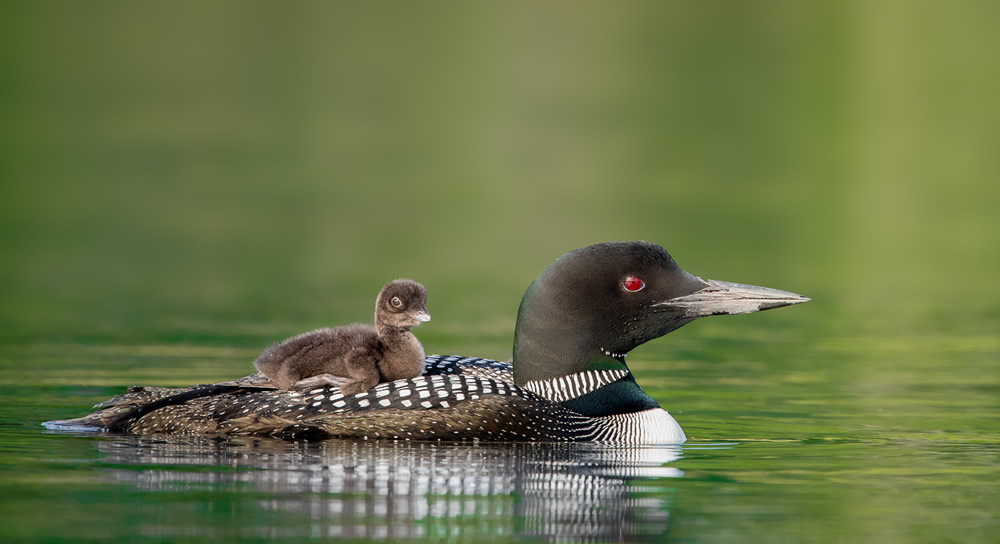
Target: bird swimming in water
point(568, 380)
point(355, 357)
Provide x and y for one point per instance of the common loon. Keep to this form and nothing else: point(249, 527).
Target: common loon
point(355, 357)
point(568, 379)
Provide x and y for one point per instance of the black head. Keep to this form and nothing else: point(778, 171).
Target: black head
point(401, 304)
point(593, 305)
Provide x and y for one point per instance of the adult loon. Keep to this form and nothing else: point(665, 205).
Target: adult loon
point(568, 379)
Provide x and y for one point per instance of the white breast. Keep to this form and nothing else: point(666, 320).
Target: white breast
point(653, 426)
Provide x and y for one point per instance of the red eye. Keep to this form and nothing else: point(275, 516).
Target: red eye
point(633, 284)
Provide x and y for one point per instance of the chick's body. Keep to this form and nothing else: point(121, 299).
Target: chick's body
point(355, 357)
point(350, 352)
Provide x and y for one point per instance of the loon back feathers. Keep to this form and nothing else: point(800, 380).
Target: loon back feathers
point(456, 399)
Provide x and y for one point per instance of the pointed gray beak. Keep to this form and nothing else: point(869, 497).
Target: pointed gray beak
point(725, 298)
point(422, 316)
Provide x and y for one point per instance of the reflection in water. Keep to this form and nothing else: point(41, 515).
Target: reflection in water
point(409, 490)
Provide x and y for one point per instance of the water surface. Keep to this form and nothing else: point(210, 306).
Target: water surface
point(779, 450)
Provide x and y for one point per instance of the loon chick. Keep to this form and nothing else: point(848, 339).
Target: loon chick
point(568, 379)
point(355, 357)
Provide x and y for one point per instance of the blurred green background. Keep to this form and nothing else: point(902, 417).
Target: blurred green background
point(179, 170)
point(183, 183)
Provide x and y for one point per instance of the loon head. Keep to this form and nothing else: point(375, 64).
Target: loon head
point(592, 306)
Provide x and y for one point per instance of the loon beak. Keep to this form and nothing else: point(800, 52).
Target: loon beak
point(726, 298)
point(422, 316)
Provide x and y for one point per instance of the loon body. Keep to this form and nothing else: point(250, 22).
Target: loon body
point(568, 379)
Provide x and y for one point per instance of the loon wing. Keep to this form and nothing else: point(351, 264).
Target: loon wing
point(455, 398)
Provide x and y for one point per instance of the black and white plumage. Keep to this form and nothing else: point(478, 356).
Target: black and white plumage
point(575, 385)
point(458, 398)
point(568, 380)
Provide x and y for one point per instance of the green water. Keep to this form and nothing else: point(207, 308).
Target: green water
point(182, 185)
point(792, 438)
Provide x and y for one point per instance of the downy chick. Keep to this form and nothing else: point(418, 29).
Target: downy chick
point(355, 357)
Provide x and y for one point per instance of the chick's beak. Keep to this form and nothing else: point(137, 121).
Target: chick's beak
point(422, 316)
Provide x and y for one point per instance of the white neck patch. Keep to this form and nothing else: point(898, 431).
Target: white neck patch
point(574, 385)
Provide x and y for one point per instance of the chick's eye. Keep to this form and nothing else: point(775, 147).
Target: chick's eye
point(633, 284)
point(396, 302)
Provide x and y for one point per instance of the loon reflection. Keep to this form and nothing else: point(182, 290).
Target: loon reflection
point(382, 490)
